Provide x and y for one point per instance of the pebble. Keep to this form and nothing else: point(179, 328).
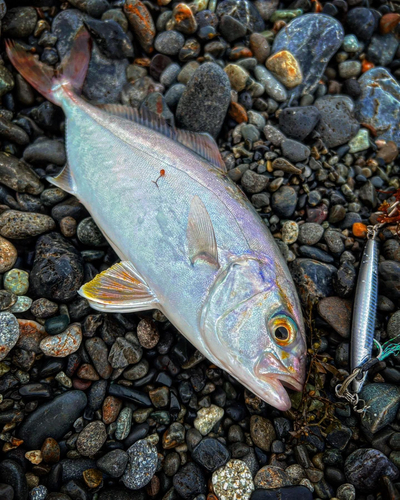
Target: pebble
point(273, 87)
point(337, 312)
point(360, 142)
point(286, 68)
point(57, 272)
point(89, 234)
point(50, 451)
point(98, 353)
point(310, 233)
point(147, 334)
point(16, 281)
point(362, 22)
point(19, 22)
point(142, 464)
point(337, 124)
point(63, 344)
point(22, 304)
point(244, 11)
point(207, 418)
point(91, 439)
point(313, 278)
point(382, 49)
point(299, 122)
point(20, 225)
point(238, 76)
point(290, 232)
point(43, 308)
point(17, 175)
point(169, 42)
point(253, 182)
point(295, 151)
point(39, 492)
point(9, 333)
point(233, 481)
point(393, 326)
point(8, 255)
point(173, 436)
point(124, 423)
point(271, 477)
point(113, 463)
point(349, 69)
point(124, 353)
point(13, 474)
point(284, 201)
point(210, 454)
point(365, 466)
point(53, 419)
point(204, 102)
point(262, 432)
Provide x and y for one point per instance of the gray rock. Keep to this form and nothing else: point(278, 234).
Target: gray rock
point(383, 401)
point(53, 419)
point(124, 353)
point(299, 122)
point(19, 22)
point(91, 439)
point(337, 125)
point(169, 42)
point(273, 87)
point(231, 28)
point(9, 333)
point(273, 135)
point(141, 466)
point(204, 103)
point(113, 463)
point(312, 39)
point(310, 233)
point(110, 38)
point(242, 10)
point(313, 279)
point(254, 183)
point(283, 201)
point(295, 151)
point(382, 49)
point(362, 22)
point(393, 327)
point(44, 151)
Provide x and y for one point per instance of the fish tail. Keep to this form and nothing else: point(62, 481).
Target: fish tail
point(70, 73)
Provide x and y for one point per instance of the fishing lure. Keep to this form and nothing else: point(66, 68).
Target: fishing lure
point(364, 312)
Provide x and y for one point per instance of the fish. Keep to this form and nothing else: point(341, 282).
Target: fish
point(190, 242)
point(364, 312)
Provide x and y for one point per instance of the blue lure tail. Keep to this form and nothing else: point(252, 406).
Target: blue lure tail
point(389, 348)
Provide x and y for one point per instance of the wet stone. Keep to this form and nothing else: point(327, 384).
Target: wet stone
point(91, 439)
point(378, 85)
point(234, 476)
point(137, 371)
point(16, 281)
point(141, 466)
point(337, 312)
point(22, 304)
point(299, 122)
point(9, 333)
point(262, 432)
point(204, 102)
point(312, 39)
point(124, 423)
point(12, 474)
point(210, 454)
point(31, 334)
point(273, 87)
point(270, 477)
point(147, 334)
point(43, 308)
point(7, 299)
point(294, 151)
point(89, 234)
point(337, 125)
point(19, 22)
point(364, 467)
point(393, 326)
point(310, 233)
point(231, 28)
point(98, 353)
point(173, 436)
point(383, 401)
point(8, 255)
point(242, 10)
point(64, 343)
point(124, 353)
point(382, 49)
point(110, 38)
point(207, 418)
point(113, 463)
point(57, 272)
point(286, 68)
point(50, 451)
point(313, 279)
point(44, 151)
point(52, 419)
point(284, 201)
point(17, 175)
point(169, 42)
point(19, 225)
point(362, 22)
point(189, 481)
point(253, 182)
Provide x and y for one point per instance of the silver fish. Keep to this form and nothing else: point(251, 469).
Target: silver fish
point(364, 311)
point(190, 242)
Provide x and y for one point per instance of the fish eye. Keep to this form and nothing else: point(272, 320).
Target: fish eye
point(283, 330)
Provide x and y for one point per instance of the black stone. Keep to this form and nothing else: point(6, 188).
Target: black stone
point(299, 122)
point(138, 397)
point(211, 454)
point(288, 493)
point(189, 481)
point(12, 473)
point(362, 22)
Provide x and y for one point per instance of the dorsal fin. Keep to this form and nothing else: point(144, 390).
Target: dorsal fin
point(202, 144)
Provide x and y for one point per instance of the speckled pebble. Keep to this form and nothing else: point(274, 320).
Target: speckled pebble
point(141, 466)
point(16, 281)
point(63, 344)
point(233, 481)
point(207, 418)
point(9, 333)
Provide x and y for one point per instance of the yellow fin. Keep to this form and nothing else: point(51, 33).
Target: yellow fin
point(64, 180)
point(119, 289)
point(200, 234)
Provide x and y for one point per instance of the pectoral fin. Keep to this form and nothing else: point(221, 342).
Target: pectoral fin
point(119, 289)
point(64, 180)
point(202, 244)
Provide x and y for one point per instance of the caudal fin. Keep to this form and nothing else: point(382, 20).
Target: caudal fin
point(44, 78)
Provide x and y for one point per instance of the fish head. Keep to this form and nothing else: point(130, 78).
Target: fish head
point(253, 326)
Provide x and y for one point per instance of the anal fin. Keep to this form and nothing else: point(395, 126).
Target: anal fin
point(64, 180)
point(119, 289)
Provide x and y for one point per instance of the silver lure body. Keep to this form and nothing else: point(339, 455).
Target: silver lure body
point(364, 310)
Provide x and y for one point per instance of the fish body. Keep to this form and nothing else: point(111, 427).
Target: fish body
point(191, 243)
point(364, 310)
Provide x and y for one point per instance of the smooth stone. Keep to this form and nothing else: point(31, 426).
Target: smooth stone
point(43, 308)
point(7, 300)
point(295, 151)
point(253, 182)
point(91, 439)
point(393, 326)
point(313, 279)
point(124, 353)
point(210, 454)
point(233, 477)
point(12, 473)
point(362, 22)
point(113, 463)
point(204, 103)
point(169, 42)
point(389, 279)
point(98, 352)
point(238, 76)
point(337, 125)
point(9, 333)
point(44, 151)
point(16, 281)
point(231, 29)
point(8, 255)
point(207, 418)
point(310, 233)
point(141, 466)
point(364, 467)
point(287, 493)
point(284, 201)
point(73, 469)
point(63, 344)
point(378, 85)
point(53, 419)
point(382, 49)
point(383, 401)
point(89, 234)
point(20, 225)
point(349, 69)
point(19, 22)
point(271, 477)
point(337, 312)
point(312, 39)
point(273, 87)
point(135, 396)
point(57, 324)
point(22, 304)
point(31, 334)
point(17, 175)
point(57, 271)
point(189, 481)
point(286, 68)
point(360, 142)
point(110, 38)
